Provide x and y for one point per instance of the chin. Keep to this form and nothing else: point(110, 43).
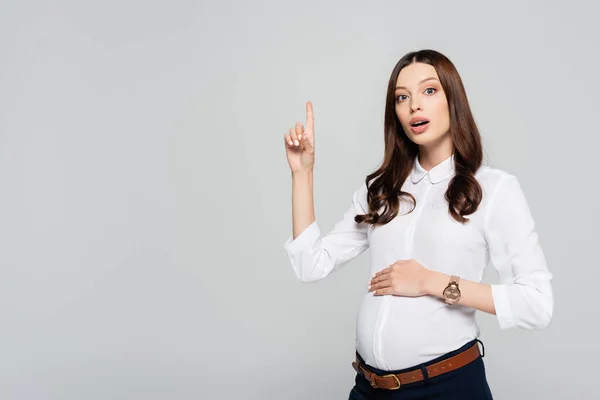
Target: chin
point(423, 138)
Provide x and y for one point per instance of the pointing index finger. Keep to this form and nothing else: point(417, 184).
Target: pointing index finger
point(310, 118)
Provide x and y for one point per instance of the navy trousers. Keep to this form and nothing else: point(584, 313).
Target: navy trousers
point(468, 382)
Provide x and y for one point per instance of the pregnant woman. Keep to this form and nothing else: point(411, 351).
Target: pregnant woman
point(433, 215)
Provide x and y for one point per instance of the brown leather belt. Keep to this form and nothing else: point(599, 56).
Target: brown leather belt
point(395, 381)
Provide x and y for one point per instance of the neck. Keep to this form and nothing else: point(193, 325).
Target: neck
point(432, 154)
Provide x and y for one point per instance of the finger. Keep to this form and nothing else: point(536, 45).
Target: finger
point(379, 285)
point(381, 292)
point(379, 278)
point(299, 130)
point(310, 118)
point(288, 140)
point(383, 271)
point(294, 137)
point(307, 144)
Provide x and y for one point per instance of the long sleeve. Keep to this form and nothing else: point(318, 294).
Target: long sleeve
point(314, 256)
point(524, 298)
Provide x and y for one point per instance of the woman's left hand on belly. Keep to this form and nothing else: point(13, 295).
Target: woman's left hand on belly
point(402, 278)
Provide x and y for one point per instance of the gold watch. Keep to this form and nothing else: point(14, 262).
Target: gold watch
point(451, 293)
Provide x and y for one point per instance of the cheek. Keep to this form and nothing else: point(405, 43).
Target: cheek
point(441, 111)
point(402, 114)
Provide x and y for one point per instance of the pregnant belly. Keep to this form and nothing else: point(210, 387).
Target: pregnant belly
point(396, 332)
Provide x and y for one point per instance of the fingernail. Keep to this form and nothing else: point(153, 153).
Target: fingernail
point(300, 137)
point(297, 143)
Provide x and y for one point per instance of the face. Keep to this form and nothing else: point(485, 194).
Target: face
point(419, 95)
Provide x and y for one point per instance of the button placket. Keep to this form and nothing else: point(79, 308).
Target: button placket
point(421, 204)
point(384, 307)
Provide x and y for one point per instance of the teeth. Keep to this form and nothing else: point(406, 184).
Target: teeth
point(419, 123)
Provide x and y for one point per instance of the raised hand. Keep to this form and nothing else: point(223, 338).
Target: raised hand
point(300, 143)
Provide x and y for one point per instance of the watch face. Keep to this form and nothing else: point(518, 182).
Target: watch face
point(452, 293)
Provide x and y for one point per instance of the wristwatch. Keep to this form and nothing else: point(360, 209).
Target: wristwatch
point(452, 292)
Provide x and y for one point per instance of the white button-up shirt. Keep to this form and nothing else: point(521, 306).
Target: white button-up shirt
point(395, 332)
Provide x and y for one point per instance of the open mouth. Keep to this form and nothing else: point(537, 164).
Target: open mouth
point(419, 123)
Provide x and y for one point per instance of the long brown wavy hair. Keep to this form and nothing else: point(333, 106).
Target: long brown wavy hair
point(464, 193)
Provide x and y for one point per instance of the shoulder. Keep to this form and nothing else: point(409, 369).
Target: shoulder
point(496, 181)
point(501, 189)
point(360, 197)
point(492, 177)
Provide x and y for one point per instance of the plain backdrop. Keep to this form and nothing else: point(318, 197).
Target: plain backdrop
point(145, 196)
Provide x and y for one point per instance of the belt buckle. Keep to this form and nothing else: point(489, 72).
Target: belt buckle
point(397, 381)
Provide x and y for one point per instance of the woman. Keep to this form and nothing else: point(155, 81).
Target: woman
point(433, 216)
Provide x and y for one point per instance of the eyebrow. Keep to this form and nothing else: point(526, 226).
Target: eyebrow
point(424, 80)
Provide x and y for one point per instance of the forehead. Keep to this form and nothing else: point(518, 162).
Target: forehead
point(414, 73)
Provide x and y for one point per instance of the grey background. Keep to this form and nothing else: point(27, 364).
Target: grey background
point(145, 196)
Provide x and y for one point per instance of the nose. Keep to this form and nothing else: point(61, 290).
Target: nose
point(415, 104)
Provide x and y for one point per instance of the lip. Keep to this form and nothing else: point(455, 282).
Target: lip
point(419, 129)
point(417, 119)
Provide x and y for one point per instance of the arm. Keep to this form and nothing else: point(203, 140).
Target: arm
point(472, 294)
point(524, 297)
point(314, 256)
point(303, 205)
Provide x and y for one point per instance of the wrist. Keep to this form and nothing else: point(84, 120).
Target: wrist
point(301, 173)
point(435, 283)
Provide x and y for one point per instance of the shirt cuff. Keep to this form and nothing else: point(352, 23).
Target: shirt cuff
point(502, 306)
point(306, 239)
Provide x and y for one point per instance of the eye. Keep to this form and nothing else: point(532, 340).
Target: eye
point(434, 89)
point(400, 98)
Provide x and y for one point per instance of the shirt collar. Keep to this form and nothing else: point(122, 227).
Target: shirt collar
point(443, 170)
